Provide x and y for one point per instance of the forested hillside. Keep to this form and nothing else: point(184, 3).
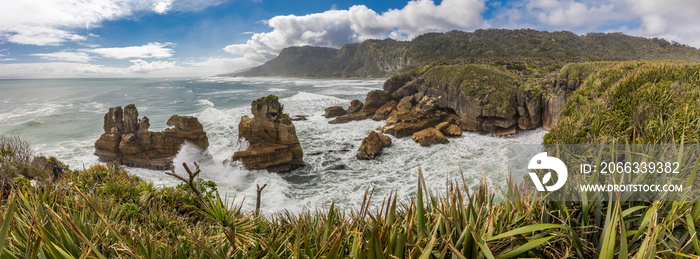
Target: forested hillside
point(383, 58)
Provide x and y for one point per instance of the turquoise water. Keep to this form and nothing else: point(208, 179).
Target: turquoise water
point(64, 117)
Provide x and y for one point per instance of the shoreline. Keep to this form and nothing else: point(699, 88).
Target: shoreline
point(302, 77)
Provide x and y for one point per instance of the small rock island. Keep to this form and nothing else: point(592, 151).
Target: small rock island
point(268, 140)
point(126, 139)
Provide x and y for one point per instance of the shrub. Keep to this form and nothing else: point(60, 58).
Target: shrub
point(15, 158)
point(129, 210)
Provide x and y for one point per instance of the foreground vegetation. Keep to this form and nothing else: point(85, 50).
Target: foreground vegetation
point(637, 102)
point(103, 212)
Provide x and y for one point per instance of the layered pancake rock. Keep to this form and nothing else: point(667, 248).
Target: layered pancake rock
point(126, 139)
point(269, 139)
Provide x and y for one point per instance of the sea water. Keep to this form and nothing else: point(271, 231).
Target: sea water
point(64, 117)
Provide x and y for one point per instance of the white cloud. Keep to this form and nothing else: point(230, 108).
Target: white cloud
point(193, 5)
point(64, 56)
point(57, 70)
point(162, 7)
point(671, 19)
point(141, 66)
point(40, 22)
point(150, 50)
point(575, 14)
point(572, 14)
point(335, 28)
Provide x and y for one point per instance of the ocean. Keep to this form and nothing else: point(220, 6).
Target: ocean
point(64, 117)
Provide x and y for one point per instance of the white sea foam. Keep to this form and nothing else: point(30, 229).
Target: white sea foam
point(226, 92)
point(33, 110)
point(205, 102)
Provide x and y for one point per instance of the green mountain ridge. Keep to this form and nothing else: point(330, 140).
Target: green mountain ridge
point(383, 58)
point(292, 61)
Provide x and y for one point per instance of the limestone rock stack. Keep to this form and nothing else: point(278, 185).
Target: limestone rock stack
point(269, 139)
point(126, 139)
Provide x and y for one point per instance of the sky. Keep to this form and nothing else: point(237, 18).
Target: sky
point(194, 38)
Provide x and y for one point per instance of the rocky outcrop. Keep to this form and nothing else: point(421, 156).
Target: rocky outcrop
point(429, 136)
point(408, 119)
point(126, 139)
point(506, 132)
point(383, 112)
point(372, 145)
point(268, 140)
point(375, 100)
point(485, 98)
point(552, 111)
point(355, 106)
point(529, 108)
point(484, 108)
point(359, 111)
point(334, 111)
point(449, 129)
point(396, 82)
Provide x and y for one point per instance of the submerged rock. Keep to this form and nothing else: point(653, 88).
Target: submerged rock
point(126, 139)
point(334, 111)
point(300, 118)
point(269, 138)
point(337, 167)
point(372, 145)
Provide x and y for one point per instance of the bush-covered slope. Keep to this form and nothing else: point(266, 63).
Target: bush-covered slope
point(382, 58)
point(631, 102)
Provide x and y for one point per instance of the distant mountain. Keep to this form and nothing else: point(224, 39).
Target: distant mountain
point(383, 58)
point(292, 61)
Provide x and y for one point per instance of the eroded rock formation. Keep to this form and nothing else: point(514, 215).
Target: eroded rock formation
point(383, 112)
point(404, 118)
point(408, 118)
point(429, 136)
point(269, 139)
point(449, 129)
point(359, 111)
point(126, 139)
point(372, 145)
point(485, 98)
